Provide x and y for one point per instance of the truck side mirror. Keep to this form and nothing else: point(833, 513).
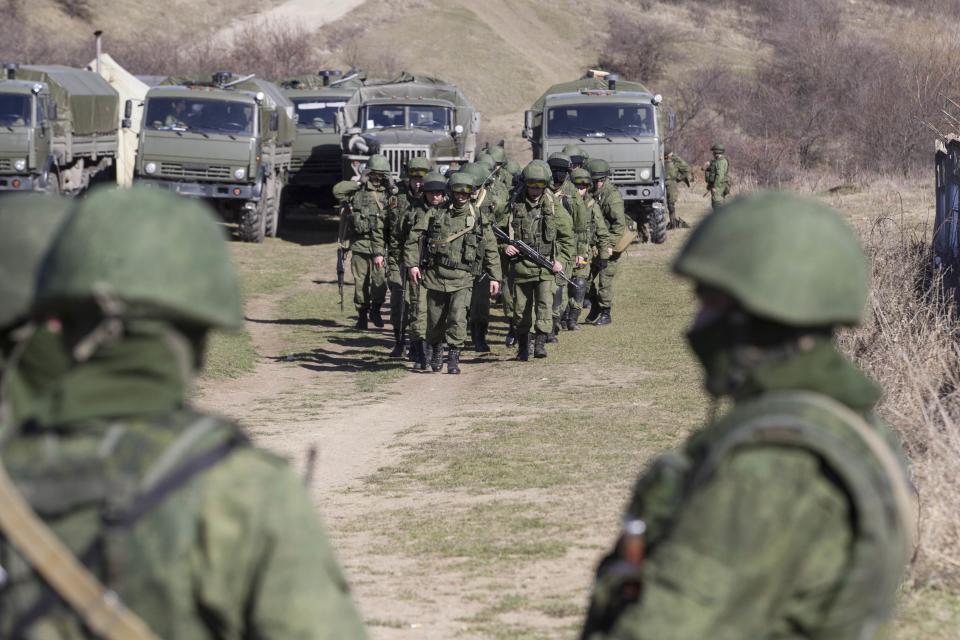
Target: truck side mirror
point(126, 123)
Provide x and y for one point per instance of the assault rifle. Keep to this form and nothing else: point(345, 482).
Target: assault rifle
point(340, 271)
point(529, 253)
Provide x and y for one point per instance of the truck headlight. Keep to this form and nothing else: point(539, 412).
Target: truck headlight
point(240, 173)
point(20, 165)
point(150, 167)
point(645, 174)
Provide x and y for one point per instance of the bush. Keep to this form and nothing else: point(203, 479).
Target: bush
point(638, 49)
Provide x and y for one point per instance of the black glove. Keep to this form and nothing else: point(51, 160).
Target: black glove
point(602, 263)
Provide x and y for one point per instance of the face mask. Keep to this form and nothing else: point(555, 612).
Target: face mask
point(716, 345)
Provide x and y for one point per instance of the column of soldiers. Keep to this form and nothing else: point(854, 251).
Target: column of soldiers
point(127, 514)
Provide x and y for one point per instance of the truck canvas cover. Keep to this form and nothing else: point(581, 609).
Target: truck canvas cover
point(586, 83)
point(407, 87)
point(81, 96)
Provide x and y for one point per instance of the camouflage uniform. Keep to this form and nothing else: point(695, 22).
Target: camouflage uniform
point(573, 209)
point(195, 531)
point(593, 242)
point(717, 176)
point(460, 246)
point(676, 170)
point(790, 516)
point(603, 273)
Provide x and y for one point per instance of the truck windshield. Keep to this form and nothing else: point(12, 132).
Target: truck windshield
point(317, 114)
point(14, 110)
point(384, 116)
point(200, 115)
point(600, 120)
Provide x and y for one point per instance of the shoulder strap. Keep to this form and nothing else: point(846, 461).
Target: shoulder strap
point(100, 608)
point(471, 224)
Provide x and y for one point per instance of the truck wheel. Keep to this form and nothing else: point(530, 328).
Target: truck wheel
point(253, 222)
point(658, 226)
point(53, 182)
point(273, 208)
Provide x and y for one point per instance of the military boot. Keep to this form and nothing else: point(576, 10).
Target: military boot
point(540, 346)
point(523, 347)
point(436, 357)
point(572, 317)
point(453, 360)
point(481, 338)
point(594, 314)
point(361, 318)
point(419, 355)
point(553, 336)
point(427, 354)
point(511, 338)
point(604, 317)
point(397, 345)
point(375, 316)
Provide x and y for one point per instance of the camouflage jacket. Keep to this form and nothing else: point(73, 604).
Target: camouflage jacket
point(676, 170)
point(611, 204)
point(364, 220)
point(541, 226)
point(773, 522)
point(593, 237)
point(717, 174)
point(200, 534)
point(402, 212)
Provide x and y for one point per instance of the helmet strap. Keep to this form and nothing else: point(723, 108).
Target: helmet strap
point(109, 329)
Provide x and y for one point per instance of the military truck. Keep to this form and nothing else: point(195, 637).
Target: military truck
point(59, 129)
point(617, 121)
point(226, 139)
point(316, 166)
point(406, 117)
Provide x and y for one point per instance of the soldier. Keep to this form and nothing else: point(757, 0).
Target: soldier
point(499, 157)
point(717, 176)
point(460, 246)
point(132, 514)
point(573, 209)
point(434, 194)
point(604, 270)
point(402, 212)
point(534, 219)
point(790, 516)
point(676, 170)
point(362, 226)
point(592, 244)
point(578, 157)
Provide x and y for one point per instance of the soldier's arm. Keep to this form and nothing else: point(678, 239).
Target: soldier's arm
point(378, 237)
point(566, 243)
point(491, 254)
point(767, 526)
point(604, 237)
point(411, 249)
point(616, 216)
point(264, 563)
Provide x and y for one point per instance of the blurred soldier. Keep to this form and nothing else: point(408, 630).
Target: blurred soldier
point(512, 171)
point(676, 170)
point(362, 229)
point(605, 269)
point(434, 194)
point(572, 210)
point(534, 219)
point(578, 157)
point(791, 515)
point(460, 246)
point(145, 518)
point(592, 244)
point(491, 179)
point(33, 353)
point(717, 176)
point(504, 177)
point(402, 212)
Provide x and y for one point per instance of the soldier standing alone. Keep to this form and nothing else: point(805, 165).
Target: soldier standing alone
point(717, 176)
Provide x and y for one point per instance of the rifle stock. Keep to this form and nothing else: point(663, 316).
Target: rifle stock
point(529, 253)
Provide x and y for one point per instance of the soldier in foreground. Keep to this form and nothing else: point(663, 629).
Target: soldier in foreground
point(717, 176)
point(185, 529)
point(791, 515)
point(605, 269)
point(459, 247)
point(362, 228)
point(676, 170)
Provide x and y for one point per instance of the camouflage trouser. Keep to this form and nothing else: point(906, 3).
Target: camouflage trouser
point(561, 296)
point(416, 311)
point(578, 292)
point(369, 283)
point(530, 297)
point(447, 317)
point(506, 291)
point(601, 289)
point(480, 300)
point(718, 195)
point(672, 202)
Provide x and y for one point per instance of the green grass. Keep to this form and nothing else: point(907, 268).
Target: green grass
point(229, 355)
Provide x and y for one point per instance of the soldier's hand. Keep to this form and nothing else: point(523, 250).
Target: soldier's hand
point(414, 273)
point(378, 262)
point(557, 267)
point(581, 261)
point(511, 251)
point(609, 252)
point(494, 288)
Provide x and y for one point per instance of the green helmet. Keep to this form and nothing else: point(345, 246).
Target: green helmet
point(598, 168)
point(580, 177)
point(717, 148)
point(461, 182)
point(161, 255)
point(486, 158)
point(559, 161)
point(513, 167)
point(378, 164)
point(782, 257)
point(476, 171)
point(434, 182)
point(498, 154)
point(29, 222)
point(418, 165)
point(537, 171)
point(576, 154)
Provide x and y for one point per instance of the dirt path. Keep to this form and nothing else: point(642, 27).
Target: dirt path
point(306, 14)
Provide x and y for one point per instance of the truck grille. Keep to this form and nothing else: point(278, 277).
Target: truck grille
point(625, 175)
point(398, 156)
point(212, 172)
point(6, 164)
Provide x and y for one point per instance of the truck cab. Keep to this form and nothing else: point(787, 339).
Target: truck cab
point(24, 135)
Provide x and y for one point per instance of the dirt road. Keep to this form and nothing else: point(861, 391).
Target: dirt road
point(306, 14)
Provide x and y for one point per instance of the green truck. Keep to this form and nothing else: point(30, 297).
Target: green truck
point(59, 129)
point(406, 117)
point(316, 165)
point(226, 139)
point(617, 121)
